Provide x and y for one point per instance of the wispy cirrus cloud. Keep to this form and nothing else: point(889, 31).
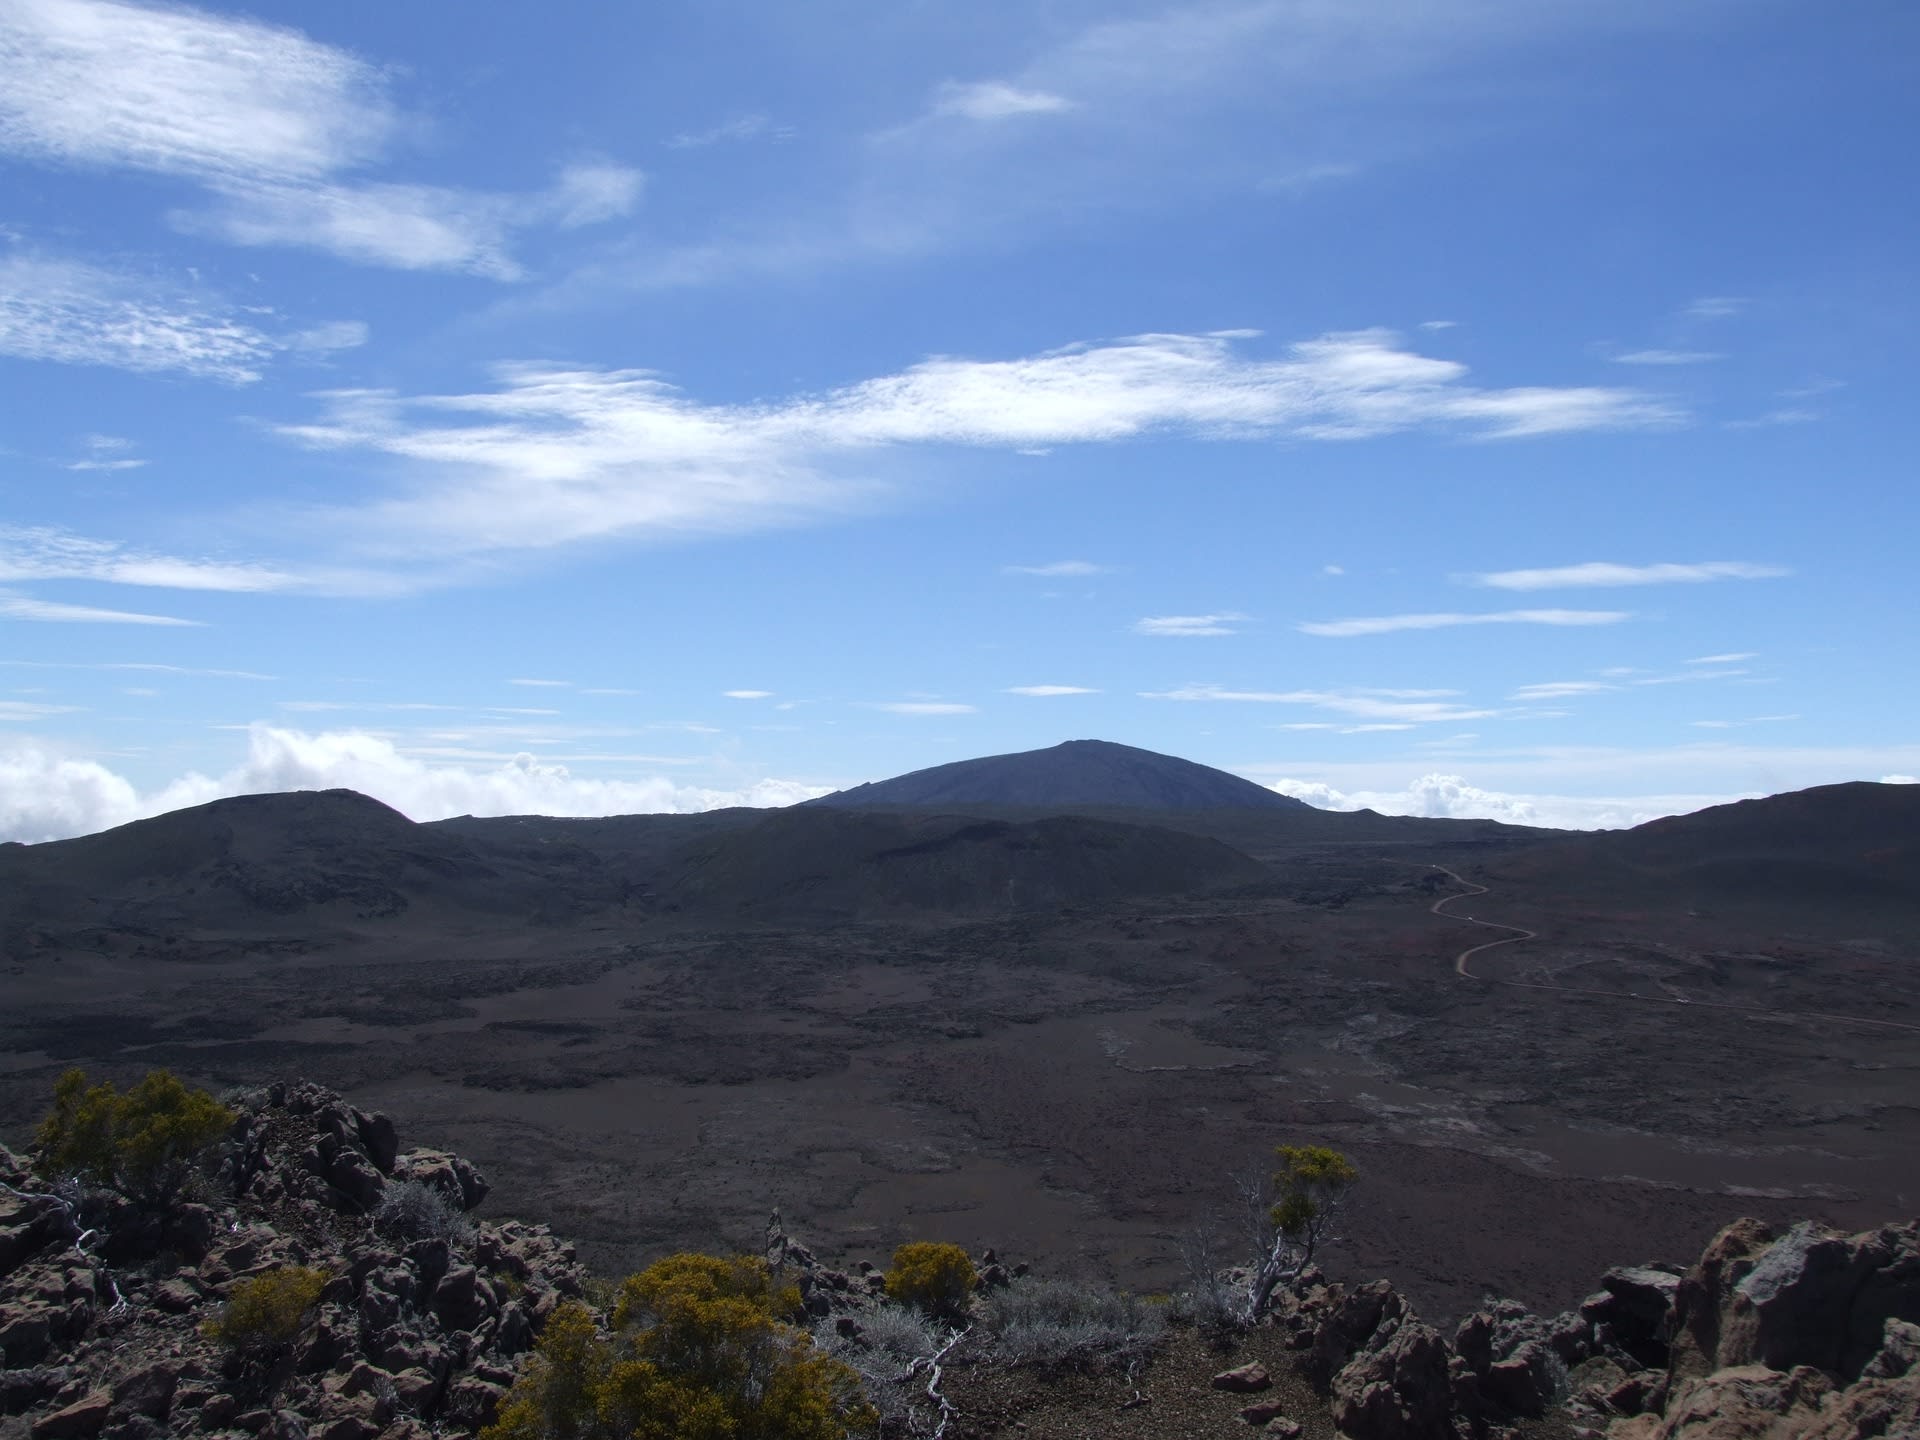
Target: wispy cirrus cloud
point(1413, 707)
point(1785, 415)
point(995, 100)
point(1625, 677)
point(77, 314)
point(145, 666)
point(748, 694)
point(1600, 574)
point(921, 707)
point(1048, 691)
point(1057, 569)
point(1562, 689)
point(74, 313)
point(1668, 357)
point(1389, 624)
point(32, 710)
point(23, 607)
point(553, 455)
point(1189, 627)
point(107, 453)
point(273, 124)
point(41, 553)
point(739, 128)
point(1716, 307)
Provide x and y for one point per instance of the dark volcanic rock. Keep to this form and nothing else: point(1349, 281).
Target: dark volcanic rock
point(823, 864)
point(394, 1329)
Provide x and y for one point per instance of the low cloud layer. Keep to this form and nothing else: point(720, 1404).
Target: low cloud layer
point(45, 795)
point(1452, 797)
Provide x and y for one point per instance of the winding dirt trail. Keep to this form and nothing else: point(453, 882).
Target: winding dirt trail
point(1460, 960)
point(1519, 934)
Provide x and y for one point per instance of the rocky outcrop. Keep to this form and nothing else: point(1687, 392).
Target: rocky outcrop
point(410, 1336)
point(1390, 1376)
point(1813, 1335)
point(1810, 1334)
point(1700, 1297)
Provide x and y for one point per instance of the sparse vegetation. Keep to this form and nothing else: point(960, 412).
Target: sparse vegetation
point(931, 1276)
point(144, 1144)
point(701, 1349)
point(265, 1312)
point(1058, 1322)
point(883, 1343)
point(414, 1210)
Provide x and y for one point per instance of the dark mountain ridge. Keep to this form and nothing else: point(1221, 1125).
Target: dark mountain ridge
point(1852, 844)
point(974, 837)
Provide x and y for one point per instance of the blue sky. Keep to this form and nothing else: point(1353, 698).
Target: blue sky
point(1483, 409)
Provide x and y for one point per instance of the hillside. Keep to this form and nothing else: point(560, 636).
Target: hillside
point(826, 864)
point(297, 862)
point(1856, 844)
point(1072, 775)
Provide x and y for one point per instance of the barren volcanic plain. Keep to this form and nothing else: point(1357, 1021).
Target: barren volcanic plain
point(1061, 1029)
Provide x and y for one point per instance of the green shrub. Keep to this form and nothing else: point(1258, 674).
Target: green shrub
point(266, 1311)
point(144, 1144)
point(700, 1350)
point(933, 1276)
point(1314, 1182)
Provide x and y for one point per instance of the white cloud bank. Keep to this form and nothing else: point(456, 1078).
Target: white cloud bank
point(48, 795)
point(1451, 797)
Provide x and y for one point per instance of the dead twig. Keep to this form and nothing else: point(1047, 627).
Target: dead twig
point(931, 1364)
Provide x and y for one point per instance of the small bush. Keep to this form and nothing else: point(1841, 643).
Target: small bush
point(267, 1311)
point(144, 1144)
point(899, 1331)
point(932, 1276)
point(414, 1210)
point(700, 1351)
point(888, 1337)
point(1056, 1322)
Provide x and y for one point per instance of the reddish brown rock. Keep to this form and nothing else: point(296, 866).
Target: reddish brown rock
point(1244, 1379)
point(82, 1418)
